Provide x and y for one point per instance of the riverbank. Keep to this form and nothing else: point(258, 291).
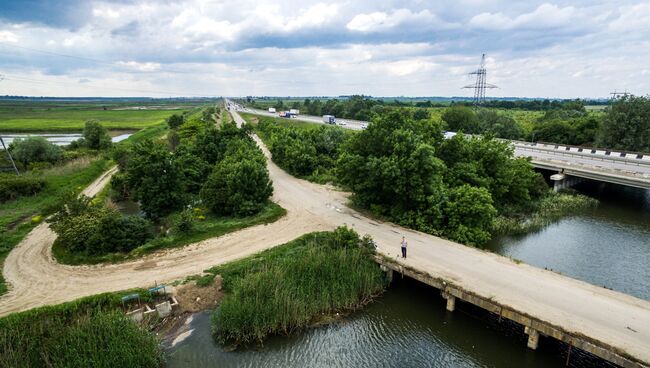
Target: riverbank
point(292, 286)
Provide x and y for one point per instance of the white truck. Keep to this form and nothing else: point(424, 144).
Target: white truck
point(272, 110)
point(294, 111)
point(329, 119)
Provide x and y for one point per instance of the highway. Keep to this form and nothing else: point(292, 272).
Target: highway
point(631, 170)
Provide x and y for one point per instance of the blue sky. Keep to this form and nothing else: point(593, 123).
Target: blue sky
point(377, 47)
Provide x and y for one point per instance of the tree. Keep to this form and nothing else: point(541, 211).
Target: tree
point(35, 149)
point(626, 125)
point(96, 136)
point(460, 118)
point(176, 120)
point(500, 125)
point(155, 179)
point(469, 215)
point(421, 114)
point(239, 185)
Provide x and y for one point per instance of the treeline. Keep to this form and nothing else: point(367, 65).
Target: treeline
point(625, 125)
point(535, 105)
point(220, 171)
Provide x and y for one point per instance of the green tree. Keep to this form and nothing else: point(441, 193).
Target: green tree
point(239, 185)
point(155, 179)
point(35, 149)
point(421, 114)
point(461, 118)
point(626, 125)
point(175, 121)
point(500, 125)
point(469, 215)
point(96, 136)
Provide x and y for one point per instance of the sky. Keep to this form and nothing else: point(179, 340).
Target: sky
point(164, 48)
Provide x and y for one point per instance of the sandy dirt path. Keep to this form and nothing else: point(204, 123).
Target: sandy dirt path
point(614, 318)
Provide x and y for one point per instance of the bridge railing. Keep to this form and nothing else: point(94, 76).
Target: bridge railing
point(617, 156)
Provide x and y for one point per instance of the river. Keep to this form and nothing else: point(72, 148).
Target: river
point(60, 139)
point(409, 327)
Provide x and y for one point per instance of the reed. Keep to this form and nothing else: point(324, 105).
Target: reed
point(294, 286)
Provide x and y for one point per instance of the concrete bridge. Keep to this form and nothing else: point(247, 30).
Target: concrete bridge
point(610, 166)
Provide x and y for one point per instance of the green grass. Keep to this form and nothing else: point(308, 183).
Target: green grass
point(295, 285)
point(210, 227)
point(549, 209)
point(92, 331)
point(37, 116)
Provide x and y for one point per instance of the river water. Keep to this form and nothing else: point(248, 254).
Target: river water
point(60, 139)
point(409, 327)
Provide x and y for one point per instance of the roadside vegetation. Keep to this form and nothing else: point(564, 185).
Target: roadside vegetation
point(201, 182)
point(305, 153)
point(621, 124)
point(296, 285)
point(91, 331)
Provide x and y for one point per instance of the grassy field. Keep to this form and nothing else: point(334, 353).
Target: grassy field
point(44, 117)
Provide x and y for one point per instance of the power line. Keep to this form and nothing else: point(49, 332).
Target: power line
point(481, 84)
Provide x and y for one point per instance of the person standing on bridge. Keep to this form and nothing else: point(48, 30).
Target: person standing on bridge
point(404, 245)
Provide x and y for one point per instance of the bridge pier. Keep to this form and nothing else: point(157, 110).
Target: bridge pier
point(563, 181)
point(451, 301)
point(533, 337)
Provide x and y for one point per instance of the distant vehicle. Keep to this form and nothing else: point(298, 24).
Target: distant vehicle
point(272, 109)
point(294, 111)
point(342, 123)
point(364, 125)
point(286, 114)
point(329, 119)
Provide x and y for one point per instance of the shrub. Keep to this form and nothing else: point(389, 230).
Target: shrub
point(469, 215)
point(184, 222)
point(12, 186)
point(175, 121)
point(35, 149)
point(96, 136)
point(92, 228)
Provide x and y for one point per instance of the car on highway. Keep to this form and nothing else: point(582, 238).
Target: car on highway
point(364, 125)
point(342, 123)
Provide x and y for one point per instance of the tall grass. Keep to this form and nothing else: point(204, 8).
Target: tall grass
point(550, 209)
point(89, 332)
point(292, 286)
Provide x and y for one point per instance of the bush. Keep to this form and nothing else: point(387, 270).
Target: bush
point(35, 149)
point(13, 186)
point(469, 215)
point(96, 136)
point(185, 222)
point(94, 229)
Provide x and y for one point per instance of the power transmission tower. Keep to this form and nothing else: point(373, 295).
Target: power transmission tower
point(616, 94)
point(481, 84)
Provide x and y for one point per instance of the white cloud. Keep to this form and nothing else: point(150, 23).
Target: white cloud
point(7, 36)
point(635, 17)
point(381, 21)
point(143, 67)
point(545, 16)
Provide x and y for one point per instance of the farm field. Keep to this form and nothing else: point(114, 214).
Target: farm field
point(41, 116)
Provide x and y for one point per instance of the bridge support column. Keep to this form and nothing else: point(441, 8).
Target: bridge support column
point(451, 301)
point(389, 273)
point(533, 337)
point(563, 181)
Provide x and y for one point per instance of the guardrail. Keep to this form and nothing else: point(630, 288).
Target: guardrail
point(592, 154)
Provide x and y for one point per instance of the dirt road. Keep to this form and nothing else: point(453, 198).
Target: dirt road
point(613, 318)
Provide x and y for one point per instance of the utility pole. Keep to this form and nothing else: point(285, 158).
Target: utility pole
point(481, 84)
point(11, 159)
